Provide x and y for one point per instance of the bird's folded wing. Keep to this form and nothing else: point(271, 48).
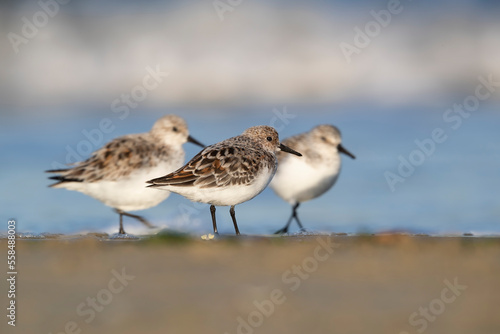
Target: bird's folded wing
point(214, 167)
point(116, 159)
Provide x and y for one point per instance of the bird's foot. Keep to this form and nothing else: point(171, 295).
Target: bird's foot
point(283, 230)
point(210, 236)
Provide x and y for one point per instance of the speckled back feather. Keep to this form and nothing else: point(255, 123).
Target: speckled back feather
point(115, 160)
point(235, 161)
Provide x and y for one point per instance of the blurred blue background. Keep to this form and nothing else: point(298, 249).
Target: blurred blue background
point(241, 68)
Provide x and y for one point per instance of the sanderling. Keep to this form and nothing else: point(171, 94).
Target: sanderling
point(300, 180)
point(115, 174)
point(228, 173)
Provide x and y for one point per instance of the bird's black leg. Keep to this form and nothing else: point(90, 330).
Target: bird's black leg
point(294, 215)
point(233, 216)
point(139, 218)
point(285, 228)
point(212, 211)
point(121, 230)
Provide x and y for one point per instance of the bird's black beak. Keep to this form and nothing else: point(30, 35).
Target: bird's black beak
point(289, 150)
point(346, 152)
point(194, 141)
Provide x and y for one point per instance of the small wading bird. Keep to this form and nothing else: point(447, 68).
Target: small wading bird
point(228, 173)
point(300, 180)
point(115, 174)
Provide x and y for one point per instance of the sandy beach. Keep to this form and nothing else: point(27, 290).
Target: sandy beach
point(387, 283)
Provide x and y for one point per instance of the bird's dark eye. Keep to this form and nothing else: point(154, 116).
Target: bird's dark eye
point(175, 129)
point(269, 139)
point(323, 138)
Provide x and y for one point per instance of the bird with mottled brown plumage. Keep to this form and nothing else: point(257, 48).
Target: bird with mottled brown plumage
point(228, 173)
point(115, 174)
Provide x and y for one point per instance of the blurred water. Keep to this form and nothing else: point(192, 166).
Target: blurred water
point(455, 190)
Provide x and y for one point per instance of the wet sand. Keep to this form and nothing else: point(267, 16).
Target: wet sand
point(313, 284)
